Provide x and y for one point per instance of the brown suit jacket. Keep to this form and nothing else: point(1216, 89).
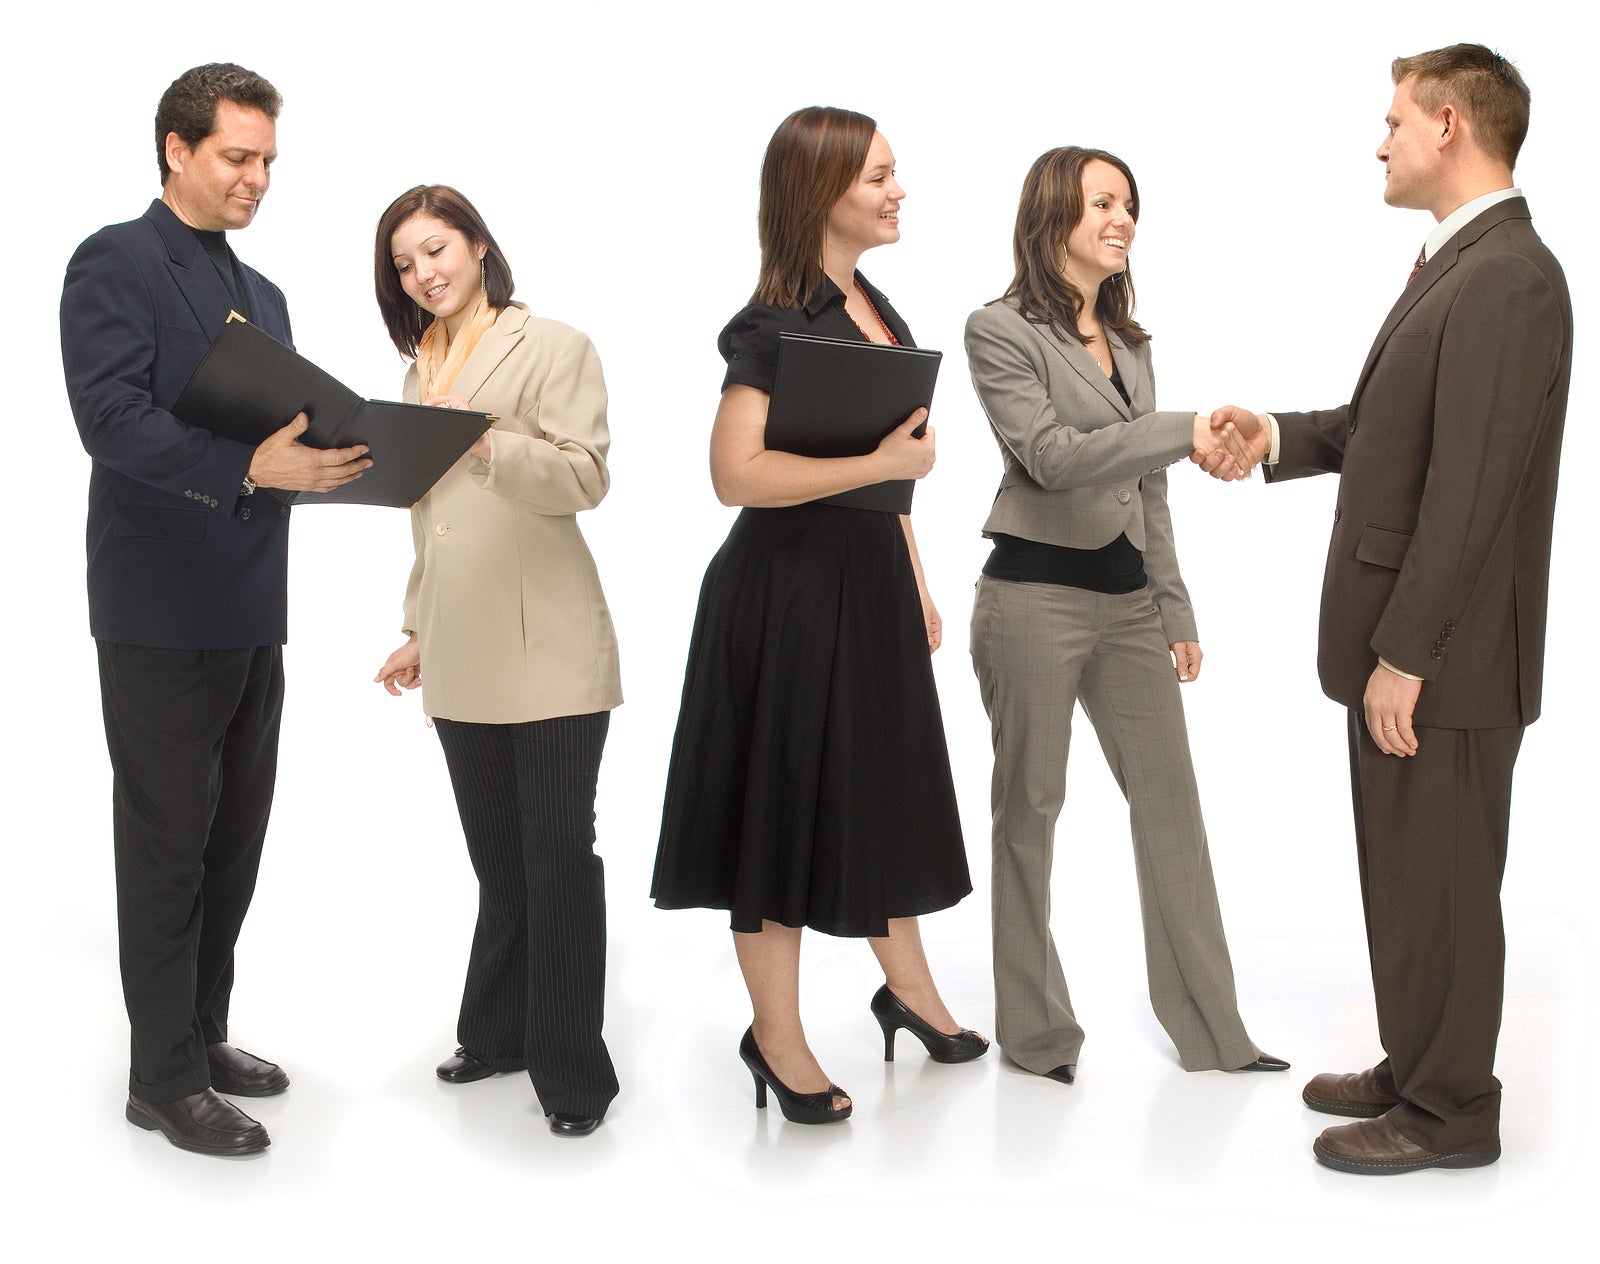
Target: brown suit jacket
point(1081, 466)
point(504, 596)
point(1449, 450)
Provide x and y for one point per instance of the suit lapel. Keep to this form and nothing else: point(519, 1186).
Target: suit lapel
point(492, 348)
point(263, 311)
point(191, 271)
point(1129, 368)
point(1432, 272)
point(1086, 367)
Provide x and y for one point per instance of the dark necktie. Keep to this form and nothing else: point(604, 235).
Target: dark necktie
point(1422, 258)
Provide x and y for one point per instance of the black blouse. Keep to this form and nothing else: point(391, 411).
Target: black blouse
point(749, 342)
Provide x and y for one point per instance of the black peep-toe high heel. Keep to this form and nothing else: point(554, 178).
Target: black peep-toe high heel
point(797, 1108)
point(892, 1014)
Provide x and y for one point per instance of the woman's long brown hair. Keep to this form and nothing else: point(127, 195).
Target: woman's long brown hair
point(812, 158)
point(1050, 208)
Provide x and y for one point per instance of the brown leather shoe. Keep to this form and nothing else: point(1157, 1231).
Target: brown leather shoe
point(1375, 1147)
point(1356, 1094)
point(202, 1122)
point(241, 1074)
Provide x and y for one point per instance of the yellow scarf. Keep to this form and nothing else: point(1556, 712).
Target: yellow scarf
point(440, 357)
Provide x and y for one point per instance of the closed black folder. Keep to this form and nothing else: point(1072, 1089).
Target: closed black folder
point(839, 397)
point(250, 385)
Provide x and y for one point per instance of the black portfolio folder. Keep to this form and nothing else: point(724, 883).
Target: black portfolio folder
point(839, 397)
point(250, 385)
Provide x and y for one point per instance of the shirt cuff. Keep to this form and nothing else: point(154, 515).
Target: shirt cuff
point(1272, 451)
point(1385, 663)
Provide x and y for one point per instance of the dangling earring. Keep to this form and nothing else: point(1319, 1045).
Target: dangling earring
point(483, 278)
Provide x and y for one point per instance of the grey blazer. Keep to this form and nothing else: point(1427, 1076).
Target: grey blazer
point(1081, 467)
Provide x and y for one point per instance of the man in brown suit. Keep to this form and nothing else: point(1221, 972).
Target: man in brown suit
point(1433, 605)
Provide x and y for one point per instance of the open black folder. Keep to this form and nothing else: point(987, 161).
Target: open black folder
point(839, 397)
point(250, 385)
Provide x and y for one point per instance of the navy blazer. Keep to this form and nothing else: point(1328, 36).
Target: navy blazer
point(177, 558)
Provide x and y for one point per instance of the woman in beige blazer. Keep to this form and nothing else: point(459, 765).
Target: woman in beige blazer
point(508, 634)
point(1081, 602)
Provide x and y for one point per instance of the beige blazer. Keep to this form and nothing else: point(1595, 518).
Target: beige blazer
point(504, 597)
point(1081, 467)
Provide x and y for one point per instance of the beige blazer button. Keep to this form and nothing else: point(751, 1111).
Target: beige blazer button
point(1124, 496)
point(442, 528)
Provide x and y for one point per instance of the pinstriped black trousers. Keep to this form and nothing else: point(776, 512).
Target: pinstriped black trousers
point(536, 977)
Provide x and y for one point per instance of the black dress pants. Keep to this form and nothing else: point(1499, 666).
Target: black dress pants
point(1431, 833)
point(536, 977)
point(193, 740)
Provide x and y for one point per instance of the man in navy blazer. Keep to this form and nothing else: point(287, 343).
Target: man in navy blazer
point(187, 577)
point(1433, 609)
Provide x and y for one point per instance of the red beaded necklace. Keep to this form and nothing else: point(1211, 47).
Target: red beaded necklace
point(887, 332)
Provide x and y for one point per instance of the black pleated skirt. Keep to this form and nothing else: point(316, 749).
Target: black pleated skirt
point(810, 783)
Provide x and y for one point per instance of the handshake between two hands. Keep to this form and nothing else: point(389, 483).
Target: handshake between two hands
point(1231, 442)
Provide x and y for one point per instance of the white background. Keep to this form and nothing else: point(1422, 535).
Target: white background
point(614, 151)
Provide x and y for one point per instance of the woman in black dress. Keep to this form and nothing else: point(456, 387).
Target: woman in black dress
point(809, 784)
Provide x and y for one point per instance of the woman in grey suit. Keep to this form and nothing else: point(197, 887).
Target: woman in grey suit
point(1081, 602)
point(508, 634)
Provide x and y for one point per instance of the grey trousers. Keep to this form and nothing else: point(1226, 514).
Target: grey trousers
point(1038, 649)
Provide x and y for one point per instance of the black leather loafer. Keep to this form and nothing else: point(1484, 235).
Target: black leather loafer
point(1066, 1074)
point(464, 1067)
point(241, 1074)
point(572, 1125)
point(1266, 1062)
point(202, 1122)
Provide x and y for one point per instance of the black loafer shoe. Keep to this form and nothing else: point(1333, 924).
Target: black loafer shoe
point(202, 1122)
point(1066, 1074)
point(464, 1067)
point(241, 1074)
point(572, 1125)
point(1266, 1062)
